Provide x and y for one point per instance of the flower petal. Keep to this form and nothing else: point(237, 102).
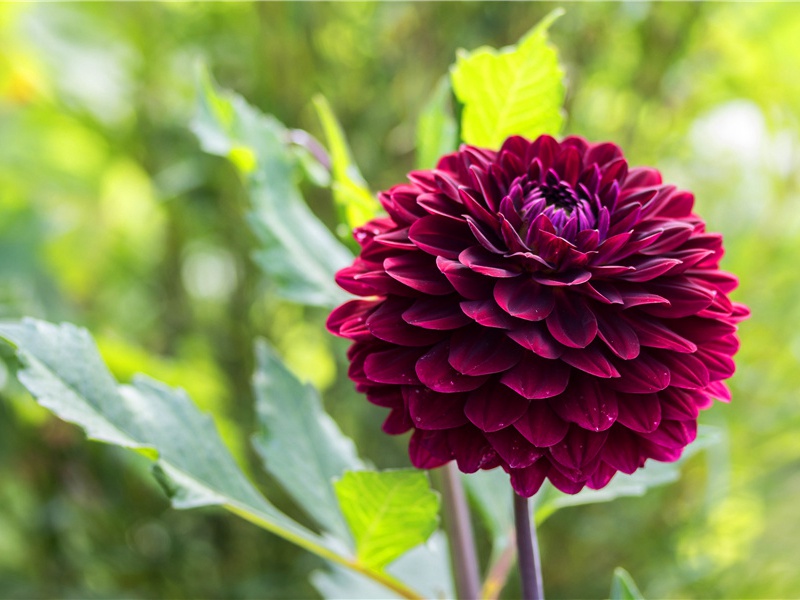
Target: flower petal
point(394, 366)
point(434, 371)
point(431, 410)
point(535, 378)
point(536, 338)
point(587, 404)
point(478, 351)
point(572, 322)
point(524, 298)
point(440, 236)
point(436, 312)
point(493, 407)
point(513, 448)
point(639, 412)
point(541, 426)
point(418, 271)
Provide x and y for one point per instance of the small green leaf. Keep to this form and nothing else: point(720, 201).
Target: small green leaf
point(355, 203)
point(64, 372)
point(426, 568)
point(436, 128)
point(623, 587)
point(389, 512)
point(549, 500)
point(298, 253)
point(299, 442)
point(517, 90)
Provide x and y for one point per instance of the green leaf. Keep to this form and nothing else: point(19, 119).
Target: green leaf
point(549, 500)
point(426, 568)
point(64, 372)
point(623, 587)
point(517, 90)
point(389, 512)
point(299, 254)
point(300, 444)
point(355, 203)
point(437, 133)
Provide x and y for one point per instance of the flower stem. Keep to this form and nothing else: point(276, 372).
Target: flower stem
point(530, 567)
point(459, 532)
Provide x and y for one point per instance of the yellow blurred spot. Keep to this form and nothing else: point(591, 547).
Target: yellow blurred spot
point(732, 527)
point(127, 202)
point(243, 159)
point(75, 149)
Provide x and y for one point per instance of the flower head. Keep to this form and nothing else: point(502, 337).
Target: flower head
point(544, 309)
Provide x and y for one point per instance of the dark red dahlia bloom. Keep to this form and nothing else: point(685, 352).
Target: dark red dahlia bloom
point(543, 309)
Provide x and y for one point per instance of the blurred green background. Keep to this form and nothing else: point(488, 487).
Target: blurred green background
point(112, 218)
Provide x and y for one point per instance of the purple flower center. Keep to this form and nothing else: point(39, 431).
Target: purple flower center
point(569, 210)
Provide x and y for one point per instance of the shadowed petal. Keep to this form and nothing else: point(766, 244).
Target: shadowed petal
point(477, 351)
point(535, 378)
point(493, 407)
point(572, 322)
point(434, 371)
point(523, 298)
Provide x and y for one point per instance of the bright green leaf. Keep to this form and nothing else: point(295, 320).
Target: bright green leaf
point(426, 568)
point(355, 203)
point(548, 499)
point(65, 373)
point(301, 446)
point(389, 512)
point(517, 90)
point(436, 128)
point(298, 253)
point(623, 587)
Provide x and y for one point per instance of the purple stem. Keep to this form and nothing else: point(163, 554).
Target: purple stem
point(530, 567)
point(459, 531)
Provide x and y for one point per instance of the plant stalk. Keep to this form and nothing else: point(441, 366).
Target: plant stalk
point(459, 531)
point(530, 567)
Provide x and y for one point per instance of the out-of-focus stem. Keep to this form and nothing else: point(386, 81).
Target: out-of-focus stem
point(530, 567)
point(459, 531)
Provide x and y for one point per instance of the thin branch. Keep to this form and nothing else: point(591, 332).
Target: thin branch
point(530, 567)
point(459, 531)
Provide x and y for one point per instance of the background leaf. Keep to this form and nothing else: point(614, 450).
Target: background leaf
point(437, 131)
point(491, 495)
point(549, 499)
point(389, 512)
point(623, 587)
point(517, 90)
point(299, 443)
point(256, 144)
point(355, 203)
point(64, 372)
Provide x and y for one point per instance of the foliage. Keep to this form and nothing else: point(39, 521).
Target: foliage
point(514, 91)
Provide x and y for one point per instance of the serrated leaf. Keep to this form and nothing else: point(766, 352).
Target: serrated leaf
point(299, 254)
point(517, 90)
point(436, 127)
point(426, 568)
point(389, 512)
point(64, 372)
point(299, 443)
point(623, 587)
point(354, 202)
point(653, 474)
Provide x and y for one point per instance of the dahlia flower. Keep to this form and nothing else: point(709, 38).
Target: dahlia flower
point(542, 308)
